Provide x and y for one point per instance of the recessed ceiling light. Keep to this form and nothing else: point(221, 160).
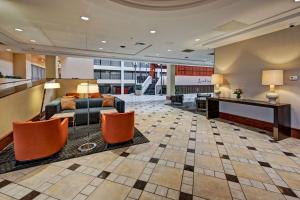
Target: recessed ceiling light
point(84, 18)
point(197, 39)
point(8, 49)
point(100, 48)
point(103, 41)
point(169, 50)
point(297, 0)
point(18, 29)
point(153, 31)
point(34, 41)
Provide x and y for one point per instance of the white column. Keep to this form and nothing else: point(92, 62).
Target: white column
point(170, 80)
point(122, 77)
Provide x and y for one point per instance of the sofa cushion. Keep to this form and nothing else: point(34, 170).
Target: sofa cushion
point(68, 103)
point(108, 101)
point(83, 103)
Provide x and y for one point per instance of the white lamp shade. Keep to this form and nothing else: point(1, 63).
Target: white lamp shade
point(51, 86)
point(272, 77)
point(217, 79)
point(85, 88)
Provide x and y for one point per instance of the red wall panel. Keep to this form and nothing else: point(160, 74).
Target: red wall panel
point(193, 71)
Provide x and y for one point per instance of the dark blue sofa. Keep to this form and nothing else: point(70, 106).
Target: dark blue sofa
point(81, 112)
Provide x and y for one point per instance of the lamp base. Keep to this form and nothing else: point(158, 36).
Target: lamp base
point(272, 96)
point(87, 147)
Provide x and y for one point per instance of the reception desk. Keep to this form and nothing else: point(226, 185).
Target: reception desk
point(281, 113)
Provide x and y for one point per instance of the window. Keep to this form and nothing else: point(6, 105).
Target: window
point(128, 64)
point(115, 75)
point(97, 62)
point(129, 75)
point(115, 63)
point(105, 62)
point(37, 73)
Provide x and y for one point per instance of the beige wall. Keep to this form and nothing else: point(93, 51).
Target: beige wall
point(6, 63)
point(77, 67)
point(242, 64)
point(21, 106)
point(70, 85)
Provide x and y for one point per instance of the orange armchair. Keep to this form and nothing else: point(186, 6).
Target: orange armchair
point(35, 140)
point(117, 127)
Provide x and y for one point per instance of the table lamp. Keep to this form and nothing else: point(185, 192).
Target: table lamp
point(86, 88)
point(48, 86)
point(217, 80)
point(272, 78)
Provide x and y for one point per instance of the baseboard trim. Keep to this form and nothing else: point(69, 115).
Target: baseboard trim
point(6, 140)
point(247, 121)
point(296, 133)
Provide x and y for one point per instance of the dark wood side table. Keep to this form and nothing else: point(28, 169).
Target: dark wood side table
point(281, 116)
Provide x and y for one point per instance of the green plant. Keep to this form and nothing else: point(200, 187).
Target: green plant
point(14, 77)
point(238, 92)
point(138, 87)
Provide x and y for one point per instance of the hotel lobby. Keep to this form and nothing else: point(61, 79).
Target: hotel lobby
point(128, 99)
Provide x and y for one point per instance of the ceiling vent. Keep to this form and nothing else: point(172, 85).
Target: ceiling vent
point(188, 50)
point(231, 26)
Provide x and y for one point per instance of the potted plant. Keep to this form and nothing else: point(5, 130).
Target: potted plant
point(238, 92)
point(138, 89)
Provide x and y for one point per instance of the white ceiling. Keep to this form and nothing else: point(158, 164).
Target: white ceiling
point(58, 29)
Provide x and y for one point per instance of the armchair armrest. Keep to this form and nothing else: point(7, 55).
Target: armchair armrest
point(52, 108)
point(119, 105)
point(64, 125)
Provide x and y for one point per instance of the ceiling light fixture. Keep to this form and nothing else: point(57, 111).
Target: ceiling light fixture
point(103, 41)
point(100, 48)
point(18, 29)
point(297, 0)
point(8, 49)
point(169, 50)
point(197, 39)
point(153, 31)
point(34, 41)
point(84, 18)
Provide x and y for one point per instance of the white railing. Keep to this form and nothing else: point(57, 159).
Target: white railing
point(10, 82)
point(146, 84)
point(158, 86)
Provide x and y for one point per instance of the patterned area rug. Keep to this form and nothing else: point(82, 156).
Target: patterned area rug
point(7, 156)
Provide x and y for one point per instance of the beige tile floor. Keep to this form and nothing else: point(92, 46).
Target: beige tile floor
point(188, 157)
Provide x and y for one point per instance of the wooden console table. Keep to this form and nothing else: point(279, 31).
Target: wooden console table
point(281, 116)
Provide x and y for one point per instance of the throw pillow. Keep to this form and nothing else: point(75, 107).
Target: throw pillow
point(73, 94)
point(68, 103)
point(94, 95)
point(108, 101)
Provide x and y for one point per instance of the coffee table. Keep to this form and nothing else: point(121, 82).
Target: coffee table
point(70, 116)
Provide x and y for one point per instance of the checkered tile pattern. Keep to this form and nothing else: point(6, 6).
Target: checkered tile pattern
point(188, 157)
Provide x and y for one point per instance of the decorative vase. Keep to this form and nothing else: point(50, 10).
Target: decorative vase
point(238, 96)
